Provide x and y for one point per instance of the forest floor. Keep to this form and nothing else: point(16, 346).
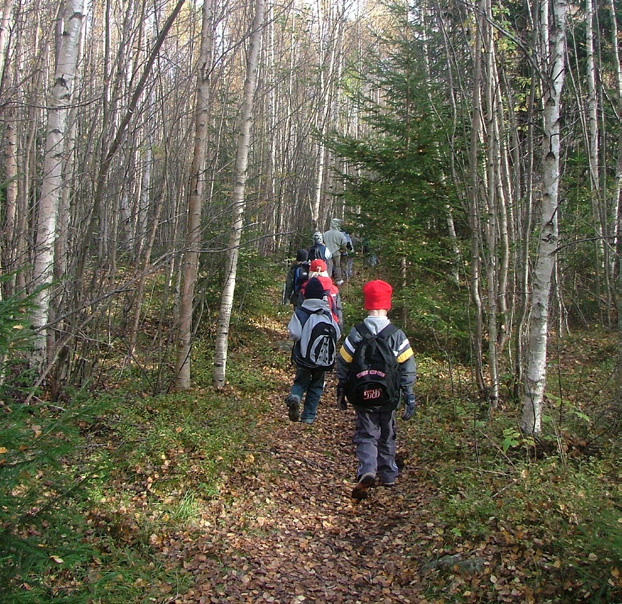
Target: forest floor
point(468, 520)
point(214, 495)
point(285, 529)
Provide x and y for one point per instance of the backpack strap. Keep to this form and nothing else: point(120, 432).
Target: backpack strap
point(384, 333)
point(308, 313)
point(387, 331)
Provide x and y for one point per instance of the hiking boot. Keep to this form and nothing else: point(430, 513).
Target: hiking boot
point(307, 420)
point(389, 484)
point(340, 282)
point(365, 482)
point(293, 406)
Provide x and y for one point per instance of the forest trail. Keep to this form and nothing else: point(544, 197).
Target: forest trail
point(284, 528)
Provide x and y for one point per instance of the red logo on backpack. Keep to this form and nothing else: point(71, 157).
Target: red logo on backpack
point(369, 395)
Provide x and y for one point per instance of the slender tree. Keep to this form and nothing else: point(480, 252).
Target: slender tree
point(66, 59)
point(238, 198)
point(196, 193)
point(552, 53)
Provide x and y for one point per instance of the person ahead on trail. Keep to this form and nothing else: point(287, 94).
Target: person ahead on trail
point(296, 277)
point(346, 259)
point(315, 333)
point(374, 367)
point(318, 251)
point(331, 292)
point(335, 240)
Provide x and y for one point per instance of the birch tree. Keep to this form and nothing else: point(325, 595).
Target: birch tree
point(5, 16)
point(238, 199)
point(552, 67)
point(196, 189)
point(616, 205)
point(474, 192)
point(66, 59)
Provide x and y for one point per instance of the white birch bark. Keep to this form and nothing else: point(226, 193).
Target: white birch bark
point(552, 66)
point(10, 208)
point(7, 250)
point(5, 16)
point(196, 187)
point(238, 199)
point(47, 207)
point(491, 224)
point(616, 203)
point(474, 212)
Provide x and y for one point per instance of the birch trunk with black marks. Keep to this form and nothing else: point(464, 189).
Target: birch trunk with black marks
point(552, 68)
point(47, 207)
point(238, 199)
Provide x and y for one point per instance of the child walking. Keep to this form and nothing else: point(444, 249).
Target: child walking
point(375, 366)
point(315, 333)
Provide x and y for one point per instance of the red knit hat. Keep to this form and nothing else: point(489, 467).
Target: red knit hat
point(318, 266)
point(377, 295)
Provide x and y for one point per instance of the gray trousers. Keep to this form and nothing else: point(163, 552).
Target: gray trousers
point(333, 266)
point(375, 440)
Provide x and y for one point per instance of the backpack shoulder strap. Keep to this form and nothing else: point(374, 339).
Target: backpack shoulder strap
point(303, 314)
point(387, 331)
point(362, 329)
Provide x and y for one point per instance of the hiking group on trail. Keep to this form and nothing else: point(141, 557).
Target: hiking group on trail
point(375, 366)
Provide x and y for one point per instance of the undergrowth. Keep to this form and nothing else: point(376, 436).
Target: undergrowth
point(91, 489)
point(547, 509)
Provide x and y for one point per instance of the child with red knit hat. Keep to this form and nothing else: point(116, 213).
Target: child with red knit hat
point(374, 404)
point(318, 269)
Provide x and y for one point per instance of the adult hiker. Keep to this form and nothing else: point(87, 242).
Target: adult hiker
point(318, 251)
point(315, 333)
point(376, 366)
point(336, 242)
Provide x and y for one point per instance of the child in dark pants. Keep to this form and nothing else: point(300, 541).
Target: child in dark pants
point(375, 432)
point(308, 379)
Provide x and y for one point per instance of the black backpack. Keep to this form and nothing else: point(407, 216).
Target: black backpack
point(374, 377)
point(317, 347)
point(301, 276)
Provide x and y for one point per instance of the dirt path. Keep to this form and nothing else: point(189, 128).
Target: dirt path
point(286, 530)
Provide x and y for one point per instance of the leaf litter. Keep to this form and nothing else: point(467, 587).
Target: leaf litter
point(285, 529)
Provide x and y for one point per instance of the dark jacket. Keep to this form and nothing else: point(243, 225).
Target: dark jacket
point(318, 251)
point(399, 344)
point(294, 282)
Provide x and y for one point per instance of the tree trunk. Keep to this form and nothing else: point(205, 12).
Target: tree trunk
point(552, 67)
point(52, 171)
point(5, 15)
point(474, 213)
point(111, 151)
point(196, 187)
point(11, 176)
point(491, 224)
point(616, 205)
point(599, 214)
point(238, 199)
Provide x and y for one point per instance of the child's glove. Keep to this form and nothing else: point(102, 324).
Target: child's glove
point(341, 398)
point(409, 407)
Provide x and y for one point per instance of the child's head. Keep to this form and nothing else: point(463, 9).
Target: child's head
point(318, 269)
point(377, 295)
point(314, 289)
point(302, 255)
point(318, 237)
